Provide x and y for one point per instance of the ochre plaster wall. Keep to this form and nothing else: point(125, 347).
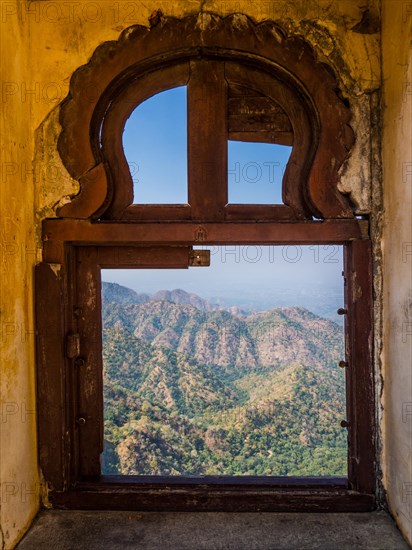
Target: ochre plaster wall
point(43, 43)
point(397, 259)
point(18, 467)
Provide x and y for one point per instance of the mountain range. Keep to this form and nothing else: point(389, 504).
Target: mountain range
point(191, 388)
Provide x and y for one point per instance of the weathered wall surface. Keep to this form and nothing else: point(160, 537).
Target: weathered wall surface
point(43, 43)
point(18, 467)
point(397, 259)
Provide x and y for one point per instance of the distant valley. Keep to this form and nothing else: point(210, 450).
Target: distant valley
point(193, 388)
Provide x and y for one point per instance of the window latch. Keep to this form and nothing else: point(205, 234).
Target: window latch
point(200, 258)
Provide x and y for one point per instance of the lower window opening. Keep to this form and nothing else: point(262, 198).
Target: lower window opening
point(231, 370)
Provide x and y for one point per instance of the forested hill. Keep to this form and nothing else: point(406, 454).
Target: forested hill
point(191, 389)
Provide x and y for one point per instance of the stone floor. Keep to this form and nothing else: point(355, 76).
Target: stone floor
point(78, 530)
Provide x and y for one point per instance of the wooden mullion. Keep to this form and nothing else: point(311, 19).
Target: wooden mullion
point(89, 372)
point(207, 140)
point(71, 393)
point(359, 376)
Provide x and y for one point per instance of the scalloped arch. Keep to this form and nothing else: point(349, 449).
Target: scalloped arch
point(115, 65)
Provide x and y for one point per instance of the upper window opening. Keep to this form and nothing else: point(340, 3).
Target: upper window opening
point(255, 172)
point(155, 146)
point(260, 136)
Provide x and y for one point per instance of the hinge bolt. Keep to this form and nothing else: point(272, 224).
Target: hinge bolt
point(344, 424)
point(81, 421)
point(343, 364)
point(342, 311)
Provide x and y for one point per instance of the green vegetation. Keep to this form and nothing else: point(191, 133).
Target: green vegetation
point(192, 391)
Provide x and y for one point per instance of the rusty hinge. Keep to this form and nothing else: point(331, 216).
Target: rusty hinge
point(72, 346)
point(199, 258)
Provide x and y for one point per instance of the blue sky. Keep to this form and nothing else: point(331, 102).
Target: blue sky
point(155, 143)
point(255, 172)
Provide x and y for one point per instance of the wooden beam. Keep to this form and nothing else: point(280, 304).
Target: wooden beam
point(270, 233)
point(208, 498)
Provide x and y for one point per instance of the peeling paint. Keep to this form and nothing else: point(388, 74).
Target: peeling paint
point(356, 289)
point(204, 21)
point(369, 24)
point(54, 186)
point(56, 268)
point(356, 171)
point(91, 301)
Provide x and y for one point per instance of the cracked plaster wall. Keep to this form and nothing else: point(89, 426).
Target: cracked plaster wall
point(43, 43)
point(397, 260)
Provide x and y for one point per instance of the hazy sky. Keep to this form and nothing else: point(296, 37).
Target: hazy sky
point(156, 148)
point(258, 276)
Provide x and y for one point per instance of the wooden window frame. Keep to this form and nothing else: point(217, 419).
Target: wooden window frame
point(69, 358)
point(208, 80)
point(100, 227)
point(208, 53)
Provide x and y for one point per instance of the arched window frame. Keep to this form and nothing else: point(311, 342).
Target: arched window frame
point(100, 227)
point(143, 62)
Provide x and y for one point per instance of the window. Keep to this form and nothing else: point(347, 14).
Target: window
point(255, 172)
point(245, 83)
point(155, 146)
point(227, 370)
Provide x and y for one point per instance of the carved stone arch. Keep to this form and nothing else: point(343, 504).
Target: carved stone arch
point(258, 55)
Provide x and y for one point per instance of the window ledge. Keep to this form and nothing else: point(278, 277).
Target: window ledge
point(94, 530)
